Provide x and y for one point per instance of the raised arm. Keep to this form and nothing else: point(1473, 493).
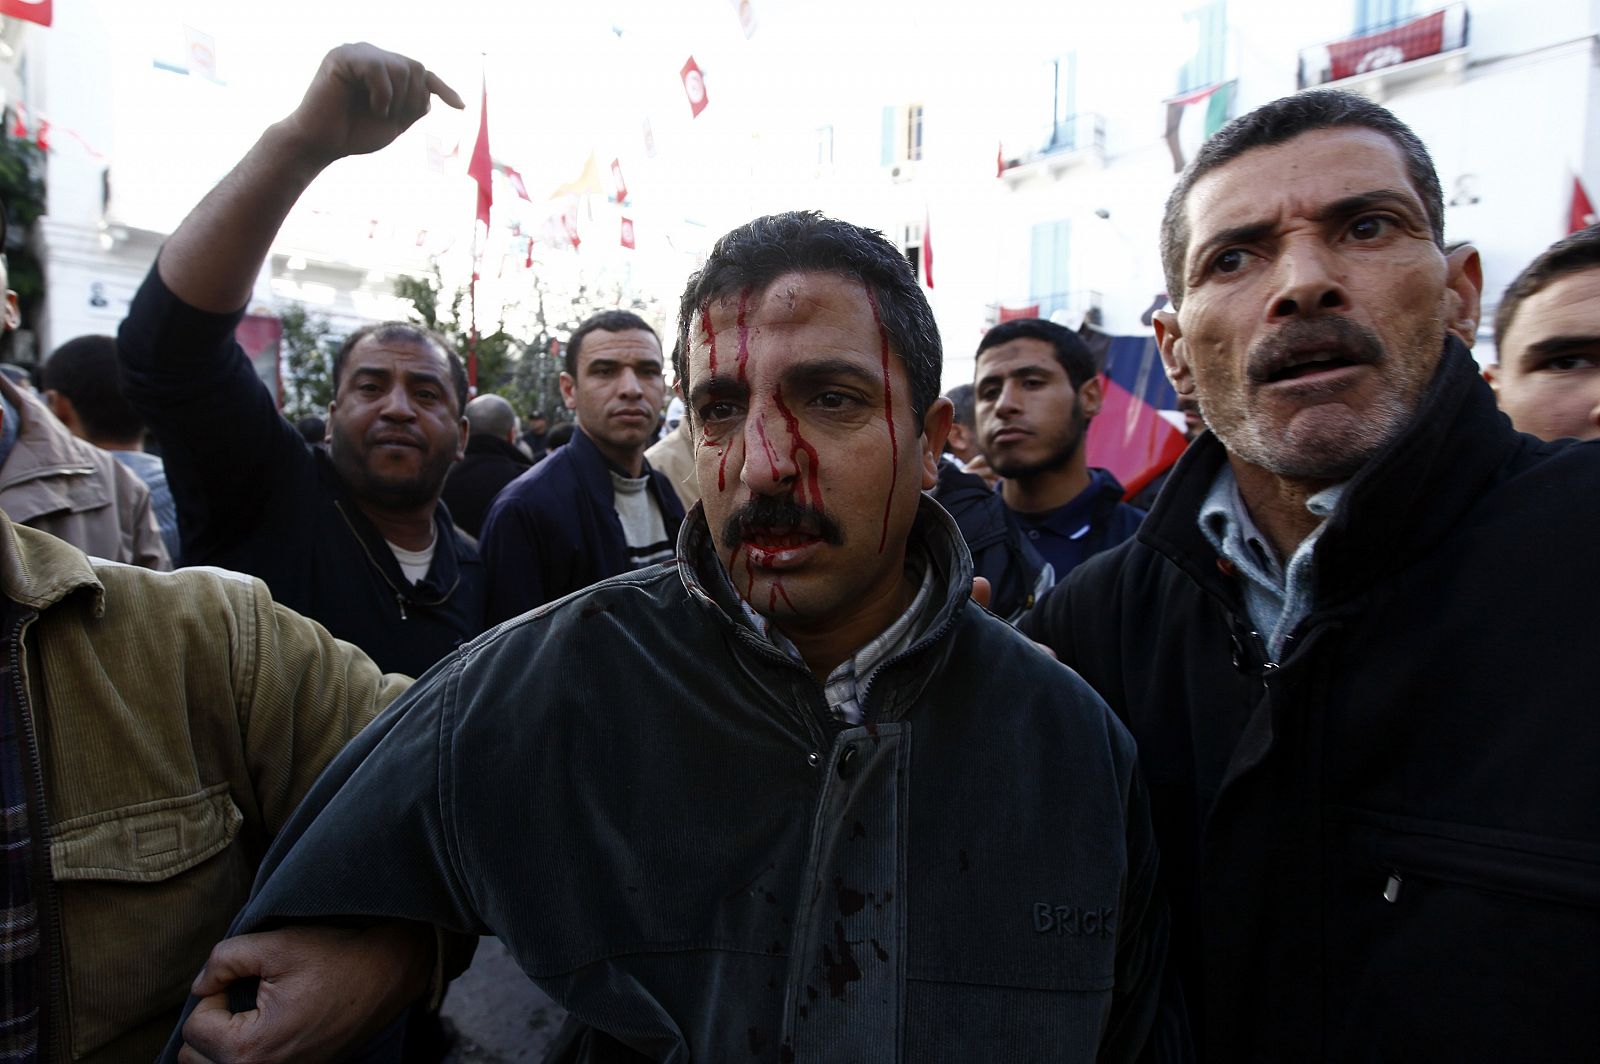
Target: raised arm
point(360, 100)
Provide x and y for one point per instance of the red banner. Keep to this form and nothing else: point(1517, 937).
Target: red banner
point(481, 168)
point(1014, 313)
point(39, 11)
point(1414, 40)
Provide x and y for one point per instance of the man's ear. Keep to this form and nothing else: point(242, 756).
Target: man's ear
point(1174, 351)
point(1464, 284)
point(935, 427)
point(1491, 374)
point(569, 390)
point(1092, 394)
point(12, 314)
point(60, 406)
point(462, 431)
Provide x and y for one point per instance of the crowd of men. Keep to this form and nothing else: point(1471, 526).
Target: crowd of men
point(710, 729)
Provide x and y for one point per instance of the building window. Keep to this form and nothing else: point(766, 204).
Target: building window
point(1209, 62)
point(824, 145)
point(913, 132)
point(1378, 14)
point(1048, 265)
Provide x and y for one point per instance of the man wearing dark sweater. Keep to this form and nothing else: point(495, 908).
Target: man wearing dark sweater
point(353, 537)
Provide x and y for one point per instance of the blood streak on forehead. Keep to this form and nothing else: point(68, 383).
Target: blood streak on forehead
point(888, 413)
point(710, 333)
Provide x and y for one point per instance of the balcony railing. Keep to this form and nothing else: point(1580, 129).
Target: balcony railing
point(1073, 133)
point(1444, 30)
point(1082, 302)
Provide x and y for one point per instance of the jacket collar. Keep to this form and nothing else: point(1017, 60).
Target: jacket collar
point(483, 443)
point(933, 530)
point(38, 570)
point(48, 470)
point(443, 574)
point(1393, 511)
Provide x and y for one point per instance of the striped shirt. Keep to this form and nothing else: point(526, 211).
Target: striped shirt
point(19, 914)
point(642, 525)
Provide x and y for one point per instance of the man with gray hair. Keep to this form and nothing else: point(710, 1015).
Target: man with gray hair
point(1372, 767)
point(492, 461)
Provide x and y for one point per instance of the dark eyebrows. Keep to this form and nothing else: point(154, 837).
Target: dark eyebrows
point(822, 370)
point(722, 386)
point(1025, 370)
point(1362, 202)
point(1249, 233)
point(1555, 346)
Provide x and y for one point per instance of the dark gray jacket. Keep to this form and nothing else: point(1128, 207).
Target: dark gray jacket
point(1384, 846)
point(653, 808)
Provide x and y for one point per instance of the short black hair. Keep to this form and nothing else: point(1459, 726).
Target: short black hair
point(1281, 121)
point(85, 371)
point(407, 332)
point(1571, 254)
point(605, 321)
point(759, 252)
point(1073, 354)
point(312, 429)
point(963, 399)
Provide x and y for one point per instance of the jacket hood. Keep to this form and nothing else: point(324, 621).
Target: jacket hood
point(38, 570)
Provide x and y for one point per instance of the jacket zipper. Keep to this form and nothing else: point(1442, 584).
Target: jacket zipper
point(399, 595)
point(50, 917)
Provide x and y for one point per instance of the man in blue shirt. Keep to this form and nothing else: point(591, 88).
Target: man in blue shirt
point(1036, 390)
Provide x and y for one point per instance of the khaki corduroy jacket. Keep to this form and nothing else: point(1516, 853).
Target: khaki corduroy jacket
point(178, 718)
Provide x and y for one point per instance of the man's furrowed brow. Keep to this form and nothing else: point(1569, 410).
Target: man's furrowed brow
point(1361, 202)
point(823, 370)
point(721, 386)
point(1556, 346)
point(1248, 233)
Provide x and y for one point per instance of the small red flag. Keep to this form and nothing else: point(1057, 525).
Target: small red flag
point(1000, 161)
point(570, 226)
point(515, 179)
point(627, 232)
point(481, 168)
point(33, 10)
point(927, 249)
point(694, 86)
point(616, 175)
point(1583, 214)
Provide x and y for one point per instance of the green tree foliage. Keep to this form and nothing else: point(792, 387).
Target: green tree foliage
point(507, 366)
point(22, 190)
point(308, 350)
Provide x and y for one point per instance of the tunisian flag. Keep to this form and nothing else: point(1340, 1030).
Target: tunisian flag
point(694, 86)
point(481, 168)
point(33, 10)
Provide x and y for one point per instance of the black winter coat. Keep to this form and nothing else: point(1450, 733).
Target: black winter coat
point(1385, 846)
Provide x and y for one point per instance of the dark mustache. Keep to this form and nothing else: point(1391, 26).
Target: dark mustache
point(1356, 342)
point(765, 511)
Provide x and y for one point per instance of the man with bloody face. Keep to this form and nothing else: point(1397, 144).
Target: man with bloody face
point(815, 804)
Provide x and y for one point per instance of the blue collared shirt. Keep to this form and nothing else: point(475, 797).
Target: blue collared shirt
point(1277, 594)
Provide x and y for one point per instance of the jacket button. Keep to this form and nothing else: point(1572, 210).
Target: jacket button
point(847, 763)
point(813, 760)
